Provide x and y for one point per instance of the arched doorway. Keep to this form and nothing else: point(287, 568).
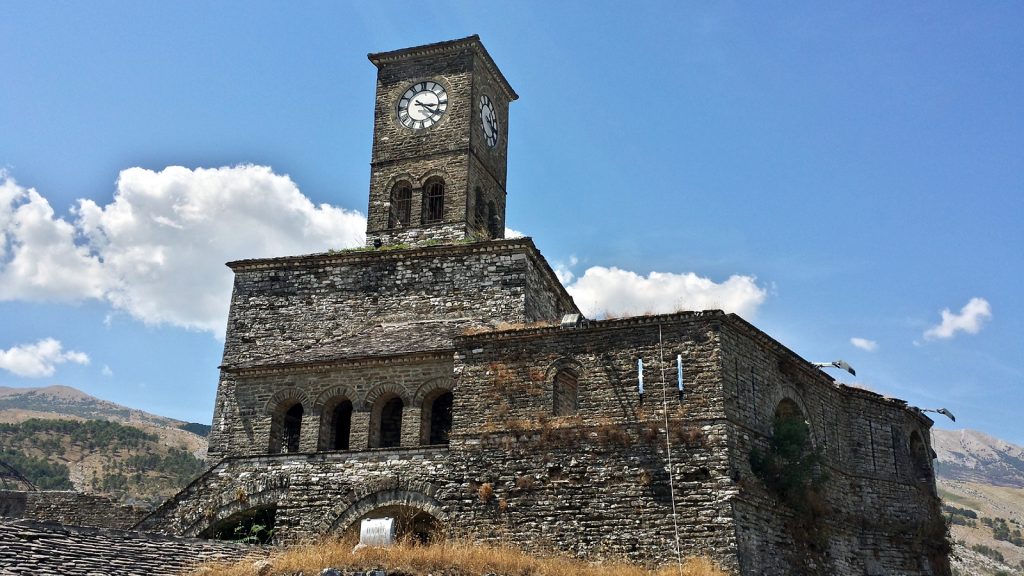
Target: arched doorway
point(336, 424)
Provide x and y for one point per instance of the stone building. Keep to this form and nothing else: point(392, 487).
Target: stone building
point(443, 376)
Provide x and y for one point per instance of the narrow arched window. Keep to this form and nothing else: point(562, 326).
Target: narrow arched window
point(389, 433)
point(564, 393)
point(433, 201)
point(480, 208)
point(493, 222)
point(341, 425)
point(437, 418)
point(401, 205)
point(292, 428)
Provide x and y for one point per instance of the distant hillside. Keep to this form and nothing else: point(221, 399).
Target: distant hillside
point(972, 456)
point(60, 437)
point(981, 482)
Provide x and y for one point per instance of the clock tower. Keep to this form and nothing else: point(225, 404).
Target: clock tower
point(440, 143)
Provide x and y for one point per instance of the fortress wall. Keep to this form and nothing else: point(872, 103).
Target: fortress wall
point(68, 507)
point(879, 509)
point(505, 379)
point(582, 494)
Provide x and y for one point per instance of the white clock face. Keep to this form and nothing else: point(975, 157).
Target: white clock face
point(488, 121)
point(422, 105)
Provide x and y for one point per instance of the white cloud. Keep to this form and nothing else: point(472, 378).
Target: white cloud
point(107, 371)
point(615, 292)
point(564, 271)
point(157, 251)
point(970, 320)
point(864, 344)
point(511, 233)
point(39, 359)
point(39, 257)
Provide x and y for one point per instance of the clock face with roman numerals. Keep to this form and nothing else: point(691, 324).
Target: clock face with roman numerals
point(488, 120)
point(422, 105)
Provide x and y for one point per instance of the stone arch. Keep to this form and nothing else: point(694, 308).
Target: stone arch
point(416, 503)
point(563, 378)
point(779, 395)
point(387, 403)
point(286, 409)
point(433, 173)
point(245, 497)
point(334, 407)
point(385, 388)
point(284, 395)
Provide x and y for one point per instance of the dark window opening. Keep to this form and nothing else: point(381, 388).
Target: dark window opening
point(480, 209)
point(391, 423)
point(440, 419)
point(292, 428)
point(341, 425)
point(401, 206)
point(433, 201)
point(493, 222)
point(564, 392)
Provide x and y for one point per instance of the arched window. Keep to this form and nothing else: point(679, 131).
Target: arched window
point(291, 429)
point(401, 205)
point(437, 418)
point(336, 426)
point(433, 201)
point(919, 458)
point(388, 420)
point(564, 393)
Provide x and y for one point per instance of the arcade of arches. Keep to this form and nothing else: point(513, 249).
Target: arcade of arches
point(341, 426)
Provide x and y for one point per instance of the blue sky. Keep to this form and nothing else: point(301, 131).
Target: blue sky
point(831, 173)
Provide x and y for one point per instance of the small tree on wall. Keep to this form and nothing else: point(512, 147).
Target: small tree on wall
point(791, 471)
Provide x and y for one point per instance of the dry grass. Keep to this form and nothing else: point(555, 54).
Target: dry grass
point(451, 558)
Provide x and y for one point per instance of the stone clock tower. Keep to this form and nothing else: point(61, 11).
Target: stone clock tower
point(440, 143)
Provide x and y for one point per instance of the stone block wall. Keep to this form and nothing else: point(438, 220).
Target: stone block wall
point(313, 314)
point(68, 507)
point(880, 511)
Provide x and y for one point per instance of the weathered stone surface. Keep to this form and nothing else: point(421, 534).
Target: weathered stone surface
point(35, 548)
point(67, 507)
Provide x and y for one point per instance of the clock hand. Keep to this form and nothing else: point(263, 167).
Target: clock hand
point(422, 105)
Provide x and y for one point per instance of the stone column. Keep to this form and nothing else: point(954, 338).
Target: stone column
point(359, 438)
point(411, 426)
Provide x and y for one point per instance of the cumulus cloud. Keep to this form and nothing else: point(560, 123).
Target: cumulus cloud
point(614, 292)
point(157, 251)
point(512, 233)
point(39, 359)
point(864, 344)
point(969, 320)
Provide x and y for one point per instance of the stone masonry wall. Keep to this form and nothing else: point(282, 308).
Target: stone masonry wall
point(35, 549)
point(259, 396)
point(354, 305)
point(67, 507)
point(879, 508)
